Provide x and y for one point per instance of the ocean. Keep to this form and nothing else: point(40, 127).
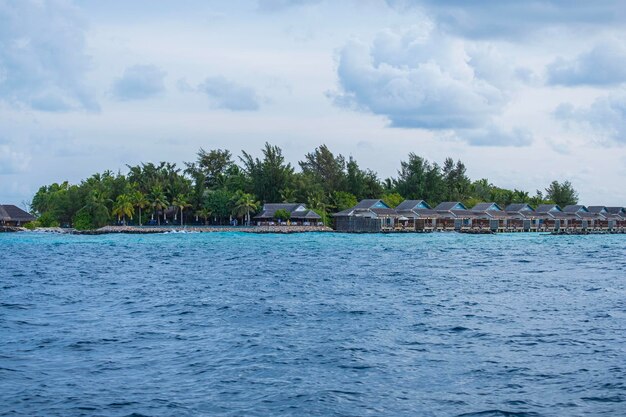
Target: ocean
point(313, 324)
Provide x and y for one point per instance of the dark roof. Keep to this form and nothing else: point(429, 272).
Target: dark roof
point(417, 213)
point(596, 209)
point(573, 208)
point(369, 203)
point(588, 215)
point(305, 214)
point(516, 207)
point(616, 210)
point(384, 212)
point(9, 212)
point(448, 205)
point(563, 215)
point(411, 204)
point(270, 209)
point(544, 208)
point(486, 206)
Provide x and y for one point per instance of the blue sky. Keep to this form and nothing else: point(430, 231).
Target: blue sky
point(523, 92)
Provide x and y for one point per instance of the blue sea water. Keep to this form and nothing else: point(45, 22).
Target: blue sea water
point(231, 324)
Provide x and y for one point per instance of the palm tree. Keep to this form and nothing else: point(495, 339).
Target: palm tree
point(140, 201)
point(244, 204)
point(97, 207)
point(181, 202)
point(205, 213)
point(123, 207)
point(158, 201)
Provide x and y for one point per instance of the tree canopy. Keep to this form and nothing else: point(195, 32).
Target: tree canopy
point(215, 188)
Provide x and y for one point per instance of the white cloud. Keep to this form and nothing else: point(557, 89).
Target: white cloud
point(42, 56)
point(422, 79)
point(226, 94)
point(417, 81)
point(139, 82)
point(12, 161)
point(496, 136)
point(603, 65)
point(605, 117)
point(514, 19)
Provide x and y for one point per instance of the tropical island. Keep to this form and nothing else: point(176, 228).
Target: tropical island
point(327, 190)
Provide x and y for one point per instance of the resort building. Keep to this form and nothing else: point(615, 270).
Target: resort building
point(11, 215)
point(491, 216)
point(419, 216)
point(298, 215)
point(453, 215)
point(367, 216)
point(416, 215)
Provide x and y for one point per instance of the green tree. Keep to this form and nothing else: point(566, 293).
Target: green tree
point(219, 202)
point(282, 215)
point(270, 175)
point(123, 207)
point(244, 204)
point(326, 168)
point(392, 199)
point(342, 200)
point(158, 202)
point(562, 194)
point(204, 213)
point(140, 201)
point(181, 202)
point(96, 208)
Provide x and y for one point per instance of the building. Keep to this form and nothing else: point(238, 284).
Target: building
point(490, 216)
point(299, 214)
point(368, 215)
point(416, 215)
point(522, 217)
point(11, 215)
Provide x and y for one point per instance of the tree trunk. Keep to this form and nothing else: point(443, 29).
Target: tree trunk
point(139, 216)
point(181, 216)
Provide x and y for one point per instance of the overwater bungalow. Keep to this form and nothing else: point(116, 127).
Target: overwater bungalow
point(488, 216)
point(546, 215)
point(587, 219)
point(368, 215)
point(11, 215)
point(453, 215)
point(299, 215)
point(416, 215)
point(522, 217)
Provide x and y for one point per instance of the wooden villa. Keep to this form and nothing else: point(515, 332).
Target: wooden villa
point(522, 218)
point(418, 216)
point(368, 215)
point(11, 215)
point(452, 215)
point(298, 215)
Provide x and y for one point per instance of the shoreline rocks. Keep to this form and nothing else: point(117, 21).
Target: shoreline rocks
point(201, 229)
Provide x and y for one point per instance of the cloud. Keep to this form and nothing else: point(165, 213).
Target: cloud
point(275, 5)
point(11, 161)
point(514, 18)
point(417, 80)
point(606, 116)
point(604, 65)
point(495, 136)
point(139, 82)
point(42, 56)
point(226, 94)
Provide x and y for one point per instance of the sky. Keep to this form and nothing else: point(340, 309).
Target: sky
point(523, 92)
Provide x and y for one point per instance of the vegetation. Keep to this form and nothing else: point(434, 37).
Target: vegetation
point(215, 189)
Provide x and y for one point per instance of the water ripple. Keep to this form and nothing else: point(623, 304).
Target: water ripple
point(317, 324)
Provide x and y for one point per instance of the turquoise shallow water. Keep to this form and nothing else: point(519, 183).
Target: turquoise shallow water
point(312, 324)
